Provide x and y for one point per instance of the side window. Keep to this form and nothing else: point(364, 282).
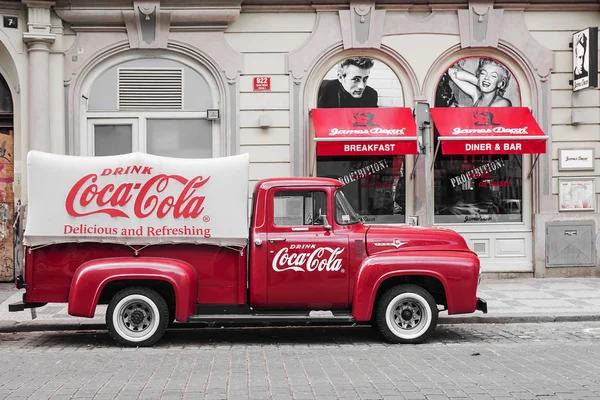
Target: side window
point(299, 208)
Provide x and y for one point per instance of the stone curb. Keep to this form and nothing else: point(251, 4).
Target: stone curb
point(33, 326)
point(67, 325)
point(517, 318)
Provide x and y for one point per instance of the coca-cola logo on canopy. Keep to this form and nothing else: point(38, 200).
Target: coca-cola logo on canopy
point(161, 195)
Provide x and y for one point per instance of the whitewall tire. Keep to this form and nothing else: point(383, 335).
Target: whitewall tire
point(137, 316)
point(406, 314)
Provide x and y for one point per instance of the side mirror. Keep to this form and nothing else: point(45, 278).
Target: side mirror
point(326, 224)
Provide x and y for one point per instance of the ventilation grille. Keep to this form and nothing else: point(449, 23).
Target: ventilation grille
point(151, 88)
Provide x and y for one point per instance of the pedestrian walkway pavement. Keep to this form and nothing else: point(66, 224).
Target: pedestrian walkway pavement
point(509, 301)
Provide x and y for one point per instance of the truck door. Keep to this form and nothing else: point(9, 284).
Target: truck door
point(307, 260)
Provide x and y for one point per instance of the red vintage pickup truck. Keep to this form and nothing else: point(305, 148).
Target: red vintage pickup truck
point(161, 240)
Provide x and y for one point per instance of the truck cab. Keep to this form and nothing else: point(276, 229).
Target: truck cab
point(297, 237)
point(306, 258)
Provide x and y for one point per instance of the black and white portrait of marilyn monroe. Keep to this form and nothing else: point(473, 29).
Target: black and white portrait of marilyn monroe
point(477, 82)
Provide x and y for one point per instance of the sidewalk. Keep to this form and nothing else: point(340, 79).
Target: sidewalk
point(509, 301)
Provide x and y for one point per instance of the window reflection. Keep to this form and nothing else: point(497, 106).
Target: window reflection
point(478, 188)
point(373, 185)
point(299, 208)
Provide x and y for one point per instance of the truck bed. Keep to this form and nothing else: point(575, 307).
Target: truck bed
point(221, 270)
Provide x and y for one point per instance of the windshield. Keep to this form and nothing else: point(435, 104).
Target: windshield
point(344, 213)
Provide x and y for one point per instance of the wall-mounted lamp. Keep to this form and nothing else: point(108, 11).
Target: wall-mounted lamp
point(577, 117)
point(264, 121)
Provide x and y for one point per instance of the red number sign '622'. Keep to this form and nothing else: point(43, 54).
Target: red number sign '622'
point(262, 83)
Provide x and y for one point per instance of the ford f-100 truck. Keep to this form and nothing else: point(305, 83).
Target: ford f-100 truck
point(162, 240)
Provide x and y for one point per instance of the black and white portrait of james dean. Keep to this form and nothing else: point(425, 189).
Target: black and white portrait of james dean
point(477, 82)
point(350, 89)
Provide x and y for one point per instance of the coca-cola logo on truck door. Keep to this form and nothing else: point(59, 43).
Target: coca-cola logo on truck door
point(293, 258)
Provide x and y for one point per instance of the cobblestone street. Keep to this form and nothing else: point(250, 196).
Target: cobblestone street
point(467, 361)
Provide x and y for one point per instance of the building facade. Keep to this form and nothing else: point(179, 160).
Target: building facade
point(191, 79)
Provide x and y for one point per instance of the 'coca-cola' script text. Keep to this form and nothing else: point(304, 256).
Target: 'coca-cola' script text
point(89, 197)
point(319, 259)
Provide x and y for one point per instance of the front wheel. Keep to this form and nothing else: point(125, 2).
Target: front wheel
point(406, 314)
point(137, 316)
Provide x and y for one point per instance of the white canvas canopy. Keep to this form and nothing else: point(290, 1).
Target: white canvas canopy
point(136, 199)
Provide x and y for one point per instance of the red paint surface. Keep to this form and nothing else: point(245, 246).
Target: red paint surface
point(457, 271)
point(379, 147)
point(489, 130)
point(364, 131)
point(50, 269)
point(314, 268)
point(92, 277)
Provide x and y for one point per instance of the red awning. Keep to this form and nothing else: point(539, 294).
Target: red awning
point(488, 130)
point(364, 131)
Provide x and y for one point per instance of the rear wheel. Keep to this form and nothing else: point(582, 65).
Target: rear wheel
point(137, 316)
point(406, 314)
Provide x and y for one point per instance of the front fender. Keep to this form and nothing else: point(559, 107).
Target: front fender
point(92, 277)
point(457, 271)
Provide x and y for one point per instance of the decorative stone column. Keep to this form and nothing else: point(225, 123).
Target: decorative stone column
point(39, 39)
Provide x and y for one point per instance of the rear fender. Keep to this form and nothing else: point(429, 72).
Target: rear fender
point(458, 273)
point(92, 277)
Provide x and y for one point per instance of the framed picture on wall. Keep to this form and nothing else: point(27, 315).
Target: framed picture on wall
point(576, 194)
point(576, 159)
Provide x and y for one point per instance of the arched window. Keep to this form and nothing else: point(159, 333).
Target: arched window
point(374, 184)
point(478, 188)
point(152, 105)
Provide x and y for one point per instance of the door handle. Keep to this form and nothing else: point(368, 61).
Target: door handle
point(273, 240)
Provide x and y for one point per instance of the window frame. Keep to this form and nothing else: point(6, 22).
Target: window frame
point(80, 134)
point(93, 122)
point(294, 228)
point(404, 179)
point(465, 223)
point(139, 130)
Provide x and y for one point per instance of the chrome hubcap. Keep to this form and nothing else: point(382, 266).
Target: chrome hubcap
point(137, 316)
point(408, 314)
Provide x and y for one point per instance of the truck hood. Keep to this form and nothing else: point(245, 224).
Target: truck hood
point(402, 238)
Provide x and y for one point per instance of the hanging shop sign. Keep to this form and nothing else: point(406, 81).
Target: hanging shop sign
point(488, 130)
point(364, 131)
point(585, 59)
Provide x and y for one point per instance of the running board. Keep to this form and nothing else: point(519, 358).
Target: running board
point(314, 317)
